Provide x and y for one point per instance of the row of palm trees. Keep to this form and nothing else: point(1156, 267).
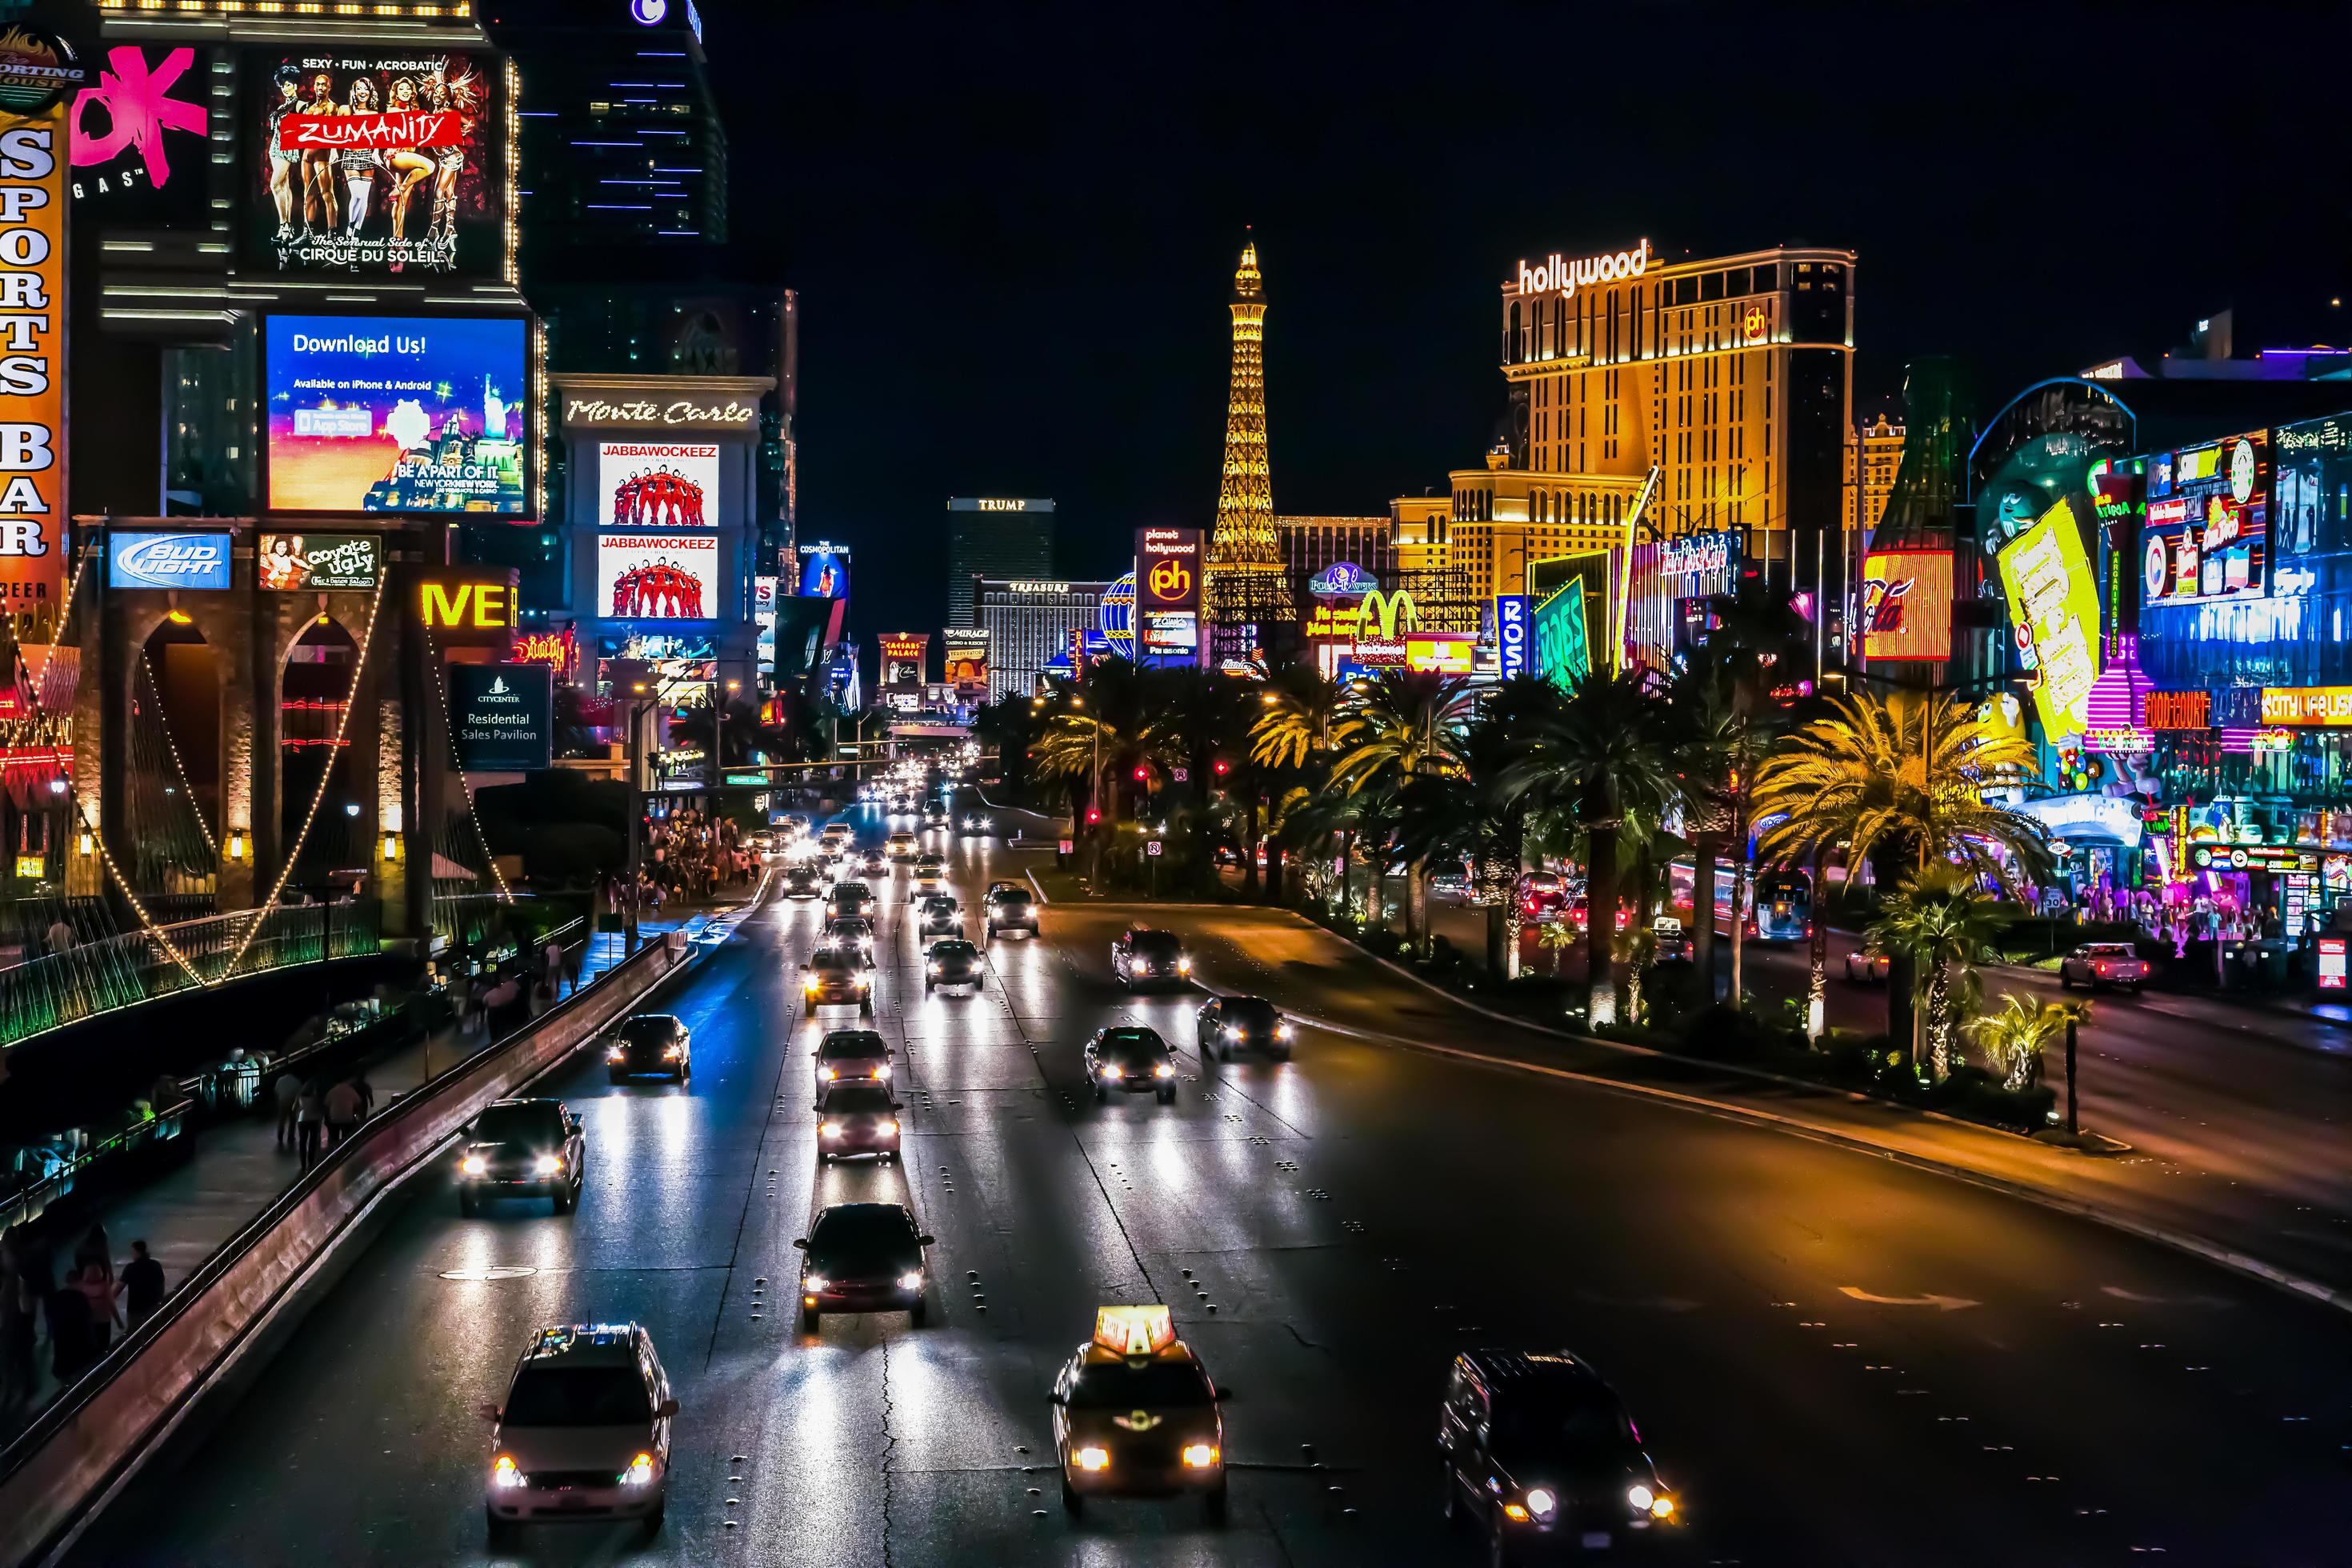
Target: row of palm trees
point(1622, 773)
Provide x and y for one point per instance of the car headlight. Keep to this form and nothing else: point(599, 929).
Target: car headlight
point(505, 1472)
point(1540, 1503)
point(1163, 1070)
point(810, 983)
point(1183, 966)
point(863, 981)
point(1641, 1497)
point(824, 1075)
point(473, 1165)
point(935, 966)
point(1233, 1032)
point(1092, 1459)
point(1201, 1456)
point(814, 1284)
point(911, 1280)
point(829, 1129)
point(616, 1054)
point(1112, 1069)
point(670, 1052)
point(547, 1164)
point(1282, 1031)
point(888, 1129)
point(882, 1071)
point(640, 1473)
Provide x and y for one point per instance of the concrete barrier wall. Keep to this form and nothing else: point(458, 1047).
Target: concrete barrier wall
point(101, 1429)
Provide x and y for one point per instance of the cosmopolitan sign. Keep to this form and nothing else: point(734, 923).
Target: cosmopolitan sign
point(1564, 278)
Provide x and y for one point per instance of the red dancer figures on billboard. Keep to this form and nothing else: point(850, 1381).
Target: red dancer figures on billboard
point(659, 590)
point(662, 498)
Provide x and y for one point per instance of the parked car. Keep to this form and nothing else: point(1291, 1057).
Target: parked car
point(2097, 963)
point(1868, 965)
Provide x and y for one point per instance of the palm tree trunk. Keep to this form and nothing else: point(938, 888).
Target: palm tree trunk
point(1600, 922)
point(1939, 1031)
point(1249, 848)
point(1497, 933)
point(1514, 928)
point(1704, 854)
point(1416, 907)
point(1817, 981)
point(1738, 923)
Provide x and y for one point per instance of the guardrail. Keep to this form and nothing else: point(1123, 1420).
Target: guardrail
point(96, 1435)
point(118, 972)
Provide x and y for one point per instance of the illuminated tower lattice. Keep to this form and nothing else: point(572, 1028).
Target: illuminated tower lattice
point(1248, 585)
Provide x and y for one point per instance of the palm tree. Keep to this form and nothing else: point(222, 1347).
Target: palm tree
point(1299, 708)
point(1947, 927)
point(1468, 815)
point(1601, 756)
point(2014, 1040)
point(1394, 729)
point(1896, 783)
point(1096, 729)
point(1555, 937)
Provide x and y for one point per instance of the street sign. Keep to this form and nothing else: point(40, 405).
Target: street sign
point(1151, 847)
point(1181, 775)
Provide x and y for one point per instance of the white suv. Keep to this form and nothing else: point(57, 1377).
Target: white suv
point(583, 1432)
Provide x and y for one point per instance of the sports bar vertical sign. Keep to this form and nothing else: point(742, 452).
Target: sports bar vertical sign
point(35, 72)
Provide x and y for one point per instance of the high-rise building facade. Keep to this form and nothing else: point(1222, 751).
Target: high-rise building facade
point(1311, 543)
point(1002, 537)
point(621, 136)
point(1030, 623)
point(1873, 454)
point(1732, 376)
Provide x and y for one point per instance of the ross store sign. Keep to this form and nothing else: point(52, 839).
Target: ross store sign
point(2312, 706)
point(198, 561)
point(1511, 633)
point(2180, 710)
point(502, 717)
point(2053, 603)
point(1564, 278)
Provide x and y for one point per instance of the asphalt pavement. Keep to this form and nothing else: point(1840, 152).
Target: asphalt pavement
point(1834, 1360)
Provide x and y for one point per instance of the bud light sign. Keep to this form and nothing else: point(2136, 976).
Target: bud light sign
point(167, 560)
point(1511, 633)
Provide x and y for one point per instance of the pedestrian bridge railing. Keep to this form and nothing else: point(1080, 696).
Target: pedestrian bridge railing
point(120, 972)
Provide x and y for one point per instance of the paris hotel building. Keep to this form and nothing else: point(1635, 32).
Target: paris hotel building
point(1733, 376)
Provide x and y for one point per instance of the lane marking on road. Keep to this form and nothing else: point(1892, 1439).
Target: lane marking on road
point(1943, 1304)
point(511, 1271)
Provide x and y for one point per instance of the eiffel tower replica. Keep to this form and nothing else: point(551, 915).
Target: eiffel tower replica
point(1248, 600)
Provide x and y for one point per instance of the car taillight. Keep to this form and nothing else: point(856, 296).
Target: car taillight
point(2101, 967)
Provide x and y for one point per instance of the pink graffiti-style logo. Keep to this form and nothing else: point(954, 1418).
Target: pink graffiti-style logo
point(139, 106)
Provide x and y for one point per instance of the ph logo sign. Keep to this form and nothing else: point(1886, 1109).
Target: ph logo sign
point(1171, 580)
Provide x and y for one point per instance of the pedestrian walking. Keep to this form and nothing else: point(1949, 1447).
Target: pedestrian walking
point(98, 1288)
point(67, 1312)
point(60, 935)
point(309, 1121)
point(551, 963)
point(287, 1090)
point(143, 1285)
point(20, 1305)
point(366, 1091)
point(94, 1249)
point(342, 1108)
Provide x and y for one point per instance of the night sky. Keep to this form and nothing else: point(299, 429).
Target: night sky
point(1014, 228)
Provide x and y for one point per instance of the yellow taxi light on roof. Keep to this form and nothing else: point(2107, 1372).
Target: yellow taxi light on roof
point(1134, 1331)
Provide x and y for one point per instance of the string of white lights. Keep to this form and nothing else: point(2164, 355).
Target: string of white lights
point(465, 784)
point(177, 766)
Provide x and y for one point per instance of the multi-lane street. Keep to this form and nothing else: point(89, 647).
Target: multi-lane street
point(1832, 1359)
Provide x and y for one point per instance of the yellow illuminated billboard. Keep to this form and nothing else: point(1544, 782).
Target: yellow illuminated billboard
point(2054, 604)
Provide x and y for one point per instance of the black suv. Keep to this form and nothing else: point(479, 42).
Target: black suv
point(1131, 1058)
point(862, 1258)
point(521, 1148)
point(1228, 1024)
point(1539, 1453)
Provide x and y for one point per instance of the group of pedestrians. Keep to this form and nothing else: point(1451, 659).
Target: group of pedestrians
point(693, 857)
point(315, 1113)
point(79, 1314)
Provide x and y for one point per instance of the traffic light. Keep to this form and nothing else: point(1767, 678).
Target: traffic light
point(1223, 767)
point(1142, 773)
point(1094, 814)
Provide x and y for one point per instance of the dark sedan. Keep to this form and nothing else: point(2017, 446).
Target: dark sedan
point(1540, 1455)
point(650, 1044)
point(954, 961)
point(1228, 1024)
point(1130, 1057)
point(1142, 956)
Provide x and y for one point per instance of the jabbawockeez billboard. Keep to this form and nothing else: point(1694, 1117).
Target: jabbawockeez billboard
point(658, 484)
point(657, 577)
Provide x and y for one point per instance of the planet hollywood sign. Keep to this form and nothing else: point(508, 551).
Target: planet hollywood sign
point(1564, 278)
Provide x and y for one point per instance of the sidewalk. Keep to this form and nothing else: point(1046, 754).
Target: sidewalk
point(237, 1170)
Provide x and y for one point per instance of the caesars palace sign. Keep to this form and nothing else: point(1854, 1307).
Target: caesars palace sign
point(1564, 278)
